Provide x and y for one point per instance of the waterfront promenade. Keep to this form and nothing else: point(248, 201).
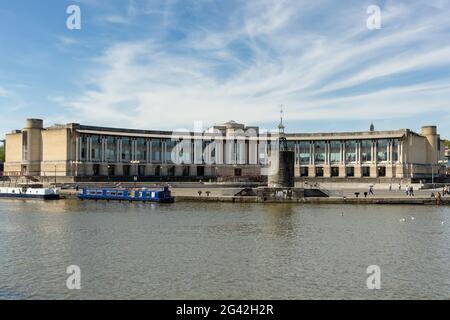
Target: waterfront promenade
point(344, 195)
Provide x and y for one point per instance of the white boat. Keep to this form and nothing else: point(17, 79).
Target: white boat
point(30, 193)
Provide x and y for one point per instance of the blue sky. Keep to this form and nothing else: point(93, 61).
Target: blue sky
point(165, 64)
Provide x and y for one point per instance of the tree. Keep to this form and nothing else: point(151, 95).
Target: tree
point(447, 143)
point(2, 154)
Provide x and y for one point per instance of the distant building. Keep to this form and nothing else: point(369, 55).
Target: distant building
point(227, 150)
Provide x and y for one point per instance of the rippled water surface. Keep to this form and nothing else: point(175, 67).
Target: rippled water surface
point(221, 250)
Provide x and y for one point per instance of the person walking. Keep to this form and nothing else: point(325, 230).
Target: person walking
point(407, 190)
point(399, 186)
point(411, 191)
point(390, 186)
point(371, 190)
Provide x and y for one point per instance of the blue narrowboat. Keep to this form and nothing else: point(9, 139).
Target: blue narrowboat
point(163, 196)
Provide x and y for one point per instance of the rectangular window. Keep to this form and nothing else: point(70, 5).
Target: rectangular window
point(304, 171)
point(111, 149)
point(350, 151)
point(319, 148)
point(141, 149)
point(350, 171)
point(83, 142)
point(25, 145)
point(304, 152)
point(335, 151)
point(319, 171)
point(382, 149)
point(366, 150)
point(156, 149)
point(126, 149)
point(365, 171)
point(395, 150)
point(96, 148)
point(169, 146)
point(335, 171)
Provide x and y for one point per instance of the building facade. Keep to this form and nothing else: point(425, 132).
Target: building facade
point(223, 151)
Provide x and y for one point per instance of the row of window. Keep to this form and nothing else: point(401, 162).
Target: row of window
point(349, 171)
point(303, 150)
point(319, 148)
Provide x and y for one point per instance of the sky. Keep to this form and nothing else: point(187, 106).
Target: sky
point(155, 64)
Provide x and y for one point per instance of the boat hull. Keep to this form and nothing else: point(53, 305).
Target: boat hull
point(130, 199)
point(131, 195)
point(30, 196)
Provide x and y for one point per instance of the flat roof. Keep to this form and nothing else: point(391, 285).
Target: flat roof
point(95, 130)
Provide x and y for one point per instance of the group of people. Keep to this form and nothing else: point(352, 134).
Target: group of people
point(409, 190)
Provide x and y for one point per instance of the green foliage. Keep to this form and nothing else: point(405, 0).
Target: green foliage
point(2, 154)
point(447, 143)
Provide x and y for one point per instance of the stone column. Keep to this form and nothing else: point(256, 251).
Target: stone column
point(252, 151)
point(103, 169)
point(178, 170)
point(358, 170)
point(192, 170)
point(119, 151)
point(198, 151)
point(89, 149)
point(118, 169)
point(77, 149)
point(147, 152)
point(312, 167)
point(219, 151)
point(89, 169)
point(342, 165)
point(104, 145)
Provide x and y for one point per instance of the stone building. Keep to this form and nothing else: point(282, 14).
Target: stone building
point(228, 150)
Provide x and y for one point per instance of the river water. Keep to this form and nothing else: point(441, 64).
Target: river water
point(222, 250)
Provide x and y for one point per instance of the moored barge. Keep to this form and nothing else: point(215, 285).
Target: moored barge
point(30, 193)
point(144, 195)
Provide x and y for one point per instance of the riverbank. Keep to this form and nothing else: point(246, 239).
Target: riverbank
point(321, 200)
point(183, 195)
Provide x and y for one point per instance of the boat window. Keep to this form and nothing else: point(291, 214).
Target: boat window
point(120, 193)
point(153, 194)
point(112, 193)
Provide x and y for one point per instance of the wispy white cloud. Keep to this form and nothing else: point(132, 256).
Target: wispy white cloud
point(3, 92)
point(317, 58)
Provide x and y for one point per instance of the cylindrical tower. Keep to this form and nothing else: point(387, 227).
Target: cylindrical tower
point(282, 162)
point(430, 133)
point(282, 173)
point(32, 147)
